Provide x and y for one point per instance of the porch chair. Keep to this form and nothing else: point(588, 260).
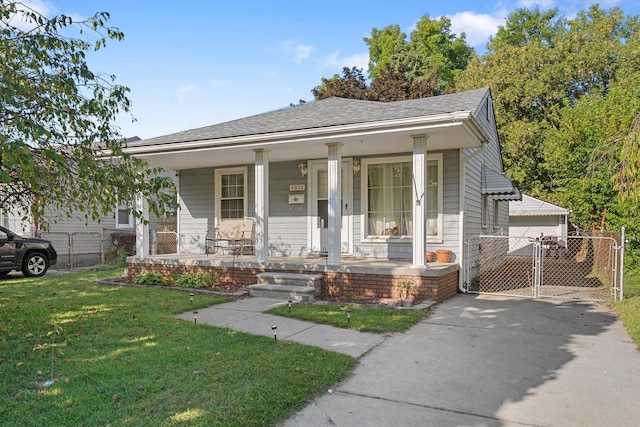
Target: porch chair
point(233, 235)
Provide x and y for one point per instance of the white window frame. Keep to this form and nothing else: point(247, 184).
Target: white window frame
point(364, 219)
point(218, 189)
point(121, 225)
point(496, 214)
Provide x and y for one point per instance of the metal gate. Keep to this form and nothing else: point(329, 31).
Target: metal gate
point(586, 267)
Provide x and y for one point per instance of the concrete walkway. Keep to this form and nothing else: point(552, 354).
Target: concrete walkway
point(247, 315)
point(477, 361)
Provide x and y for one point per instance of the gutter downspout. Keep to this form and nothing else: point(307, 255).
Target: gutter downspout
point(461, 216)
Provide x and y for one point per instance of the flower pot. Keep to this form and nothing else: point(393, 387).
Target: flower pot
point(431, 256)
point(443, 255)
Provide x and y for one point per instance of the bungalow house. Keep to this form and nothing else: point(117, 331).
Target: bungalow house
point(356, 191)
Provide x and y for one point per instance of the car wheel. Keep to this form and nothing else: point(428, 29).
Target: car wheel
point(35, 264)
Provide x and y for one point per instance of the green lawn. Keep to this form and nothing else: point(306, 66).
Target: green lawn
point(359, 318)
point(629, 308)
point(118, 357)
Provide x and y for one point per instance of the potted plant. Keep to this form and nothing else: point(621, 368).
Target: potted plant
point(443, 255)
point(431, 256)
point(408, 291)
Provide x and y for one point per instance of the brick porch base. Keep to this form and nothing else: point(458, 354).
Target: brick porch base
point(364, 279)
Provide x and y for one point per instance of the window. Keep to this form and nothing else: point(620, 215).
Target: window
point(124, 217)
point(496, 213)
point(231, 193)
point(388, 194)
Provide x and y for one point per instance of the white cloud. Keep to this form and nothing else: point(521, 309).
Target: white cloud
point(303, 51)
point(478, 27)
point(299, 51)
point(360, 60)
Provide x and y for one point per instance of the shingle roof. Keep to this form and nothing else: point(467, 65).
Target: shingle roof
point(327, 113)
point(530, 206)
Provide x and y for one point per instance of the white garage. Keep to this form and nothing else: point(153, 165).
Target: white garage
point(531, 217)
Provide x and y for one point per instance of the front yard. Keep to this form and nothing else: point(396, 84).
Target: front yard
point(76, 353)
point(73, 352)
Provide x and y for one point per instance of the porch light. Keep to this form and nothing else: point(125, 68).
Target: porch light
point(303, 168)
point(356, 166)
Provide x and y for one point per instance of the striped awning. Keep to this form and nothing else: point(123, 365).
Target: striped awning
point(498, 185)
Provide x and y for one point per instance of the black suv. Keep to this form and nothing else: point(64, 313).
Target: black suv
point(32, 256)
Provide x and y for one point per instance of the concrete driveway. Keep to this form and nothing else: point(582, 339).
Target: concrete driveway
point(491, 361)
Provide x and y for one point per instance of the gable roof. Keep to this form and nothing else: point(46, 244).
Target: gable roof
point(530, 206)
point(326, 113)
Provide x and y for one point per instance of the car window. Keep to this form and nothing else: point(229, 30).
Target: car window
point(3, 235)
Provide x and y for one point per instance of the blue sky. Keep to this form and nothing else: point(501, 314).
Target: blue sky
point(193, 63)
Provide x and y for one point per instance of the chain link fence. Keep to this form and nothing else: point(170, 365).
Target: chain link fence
point(84, 249)
point(586, 266)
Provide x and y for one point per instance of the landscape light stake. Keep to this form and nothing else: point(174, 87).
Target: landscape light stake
point(349, 317)
point(275, 334)
point(195, 317)
point(191, 296)
point(290, 306)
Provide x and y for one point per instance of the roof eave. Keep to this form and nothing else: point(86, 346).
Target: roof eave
point(414, 124)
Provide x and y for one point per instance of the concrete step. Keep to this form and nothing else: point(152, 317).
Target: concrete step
point(288, 286)
point(290, 279)
point(283, 292)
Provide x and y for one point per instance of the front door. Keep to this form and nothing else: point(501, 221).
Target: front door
point(319, 207)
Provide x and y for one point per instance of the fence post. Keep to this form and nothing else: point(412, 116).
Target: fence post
point(622, 247)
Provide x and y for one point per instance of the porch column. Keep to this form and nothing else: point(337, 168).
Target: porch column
point(334, 172)
point(142, 227)
point(420, 200)
point(262, 205)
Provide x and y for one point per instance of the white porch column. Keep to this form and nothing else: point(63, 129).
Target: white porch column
point(334, 172)
point(142, 228)
point(262, 205)
point(420, 200)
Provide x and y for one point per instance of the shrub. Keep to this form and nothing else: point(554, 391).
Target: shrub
point(149, 278)
point(115, 256)
point(195, 280)
point(407, 289)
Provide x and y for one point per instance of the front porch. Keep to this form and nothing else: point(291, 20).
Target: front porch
point(355, 277)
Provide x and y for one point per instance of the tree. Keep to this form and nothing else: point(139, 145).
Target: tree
point(394, 84)
point(59, 147)
point(538, 64)
point(567, 106)
point(434, 50)
point(425, 65)
point(383, 45)
point(351, 85)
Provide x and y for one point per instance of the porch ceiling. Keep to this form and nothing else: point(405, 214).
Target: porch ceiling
point(453, 133)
